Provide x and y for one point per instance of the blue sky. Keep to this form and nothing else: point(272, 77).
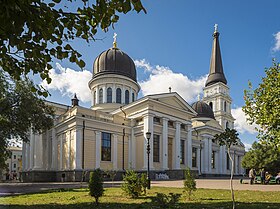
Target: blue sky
point(173, 41)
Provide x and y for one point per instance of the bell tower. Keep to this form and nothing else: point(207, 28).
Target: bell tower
point(216, 92)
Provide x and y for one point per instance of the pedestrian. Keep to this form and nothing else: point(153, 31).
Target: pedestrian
point(251, 176)
point(262, 175)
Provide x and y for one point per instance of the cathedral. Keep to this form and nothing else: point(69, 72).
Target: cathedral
point(114, 132)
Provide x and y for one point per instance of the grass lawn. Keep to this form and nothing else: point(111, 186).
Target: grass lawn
point(115, 198)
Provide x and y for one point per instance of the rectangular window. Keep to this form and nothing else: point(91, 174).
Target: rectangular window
point(15, 157)
point(170, 124)
point(15, 165)
point(156, 148)
point(194, 157)
point(182, 152)
point(228, 161)
point(213, 159)
point(156, 120)
point(106, 147)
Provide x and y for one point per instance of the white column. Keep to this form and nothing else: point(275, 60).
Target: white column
point(32, 148)
point(98, 149)
point(61, 153)
point(104, 94)
point(114, 93)
point(27, 155)
point(24, 156)
point(129, 152)
point(97, 95)
point(165, 144)
point(198, 160)
point(78, 148)
point(130, 95)
point(115, 155)
point(38, 161)
point(189, 146)
point(205, 167)
point(133, 146)
point(221, 159)
point(148, 126)
point(177, 145)
point(68, 141)
point(210, 154)
point(54, 150)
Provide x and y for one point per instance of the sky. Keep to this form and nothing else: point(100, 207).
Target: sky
point(171, 47)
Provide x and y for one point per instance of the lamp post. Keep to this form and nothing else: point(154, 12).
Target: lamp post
point(148, 136)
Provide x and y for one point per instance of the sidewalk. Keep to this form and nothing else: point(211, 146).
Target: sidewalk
point(7, 189)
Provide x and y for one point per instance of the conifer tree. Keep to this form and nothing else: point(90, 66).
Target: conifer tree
point(96, 185)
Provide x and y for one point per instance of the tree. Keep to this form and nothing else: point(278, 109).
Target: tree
point(228, 138)
point(262, 105)
point(34, 32)
point(96, 185)
point(20, 111)
point(189, 183)
point(262, 155)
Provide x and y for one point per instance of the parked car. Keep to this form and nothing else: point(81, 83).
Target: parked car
point(277, 178)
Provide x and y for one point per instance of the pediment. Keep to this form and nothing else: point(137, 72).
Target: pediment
point(173, 100)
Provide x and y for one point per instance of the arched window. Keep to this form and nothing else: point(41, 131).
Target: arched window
point(211, 105)
point(119, 96)
point(133, 99)
point(100, 96)
point(94, 98)
point(225, 106)
point(109, 95)
point(126, 97)
point(227, 124)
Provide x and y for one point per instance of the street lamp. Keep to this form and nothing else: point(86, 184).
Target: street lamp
point(148, 136)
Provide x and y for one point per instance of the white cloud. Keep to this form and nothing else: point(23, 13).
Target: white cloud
point(161, 78)
point(240, 124)
point(277, 42)
point(69, 81)
point(247, 146)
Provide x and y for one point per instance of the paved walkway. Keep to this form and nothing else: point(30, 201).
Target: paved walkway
point(7, 189)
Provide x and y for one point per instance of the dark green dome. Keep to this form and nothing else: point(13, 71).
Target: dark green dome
point(114, 61)
point(203, 110)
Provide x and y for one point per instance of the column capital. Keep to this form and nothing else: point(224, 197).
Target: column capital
point(165, 119)
point(178, 123)
point(149, 115)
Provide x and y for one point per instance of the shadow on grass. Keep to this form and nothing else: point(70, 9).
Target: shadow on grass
point(190, 205)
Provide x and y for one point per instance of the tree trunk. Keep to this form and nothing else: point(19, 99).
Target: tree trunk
point(231, 177)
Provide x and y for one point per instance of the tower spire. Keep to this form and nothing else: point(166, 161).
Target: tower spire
point(216, 73)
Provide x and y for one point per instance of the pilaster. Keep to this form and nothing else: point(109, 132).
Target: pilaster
point(165, 143)
point(98, 149)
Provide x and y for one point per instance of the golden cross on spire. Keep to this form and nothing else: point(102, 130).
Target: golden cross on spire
point(216, 28)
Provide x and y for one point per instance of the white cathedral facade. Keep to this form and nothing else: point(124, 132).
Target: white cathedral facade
point(111, 135)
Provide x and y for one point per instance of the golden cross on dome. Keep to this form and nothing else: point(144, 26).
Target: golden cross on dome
point(115, 40)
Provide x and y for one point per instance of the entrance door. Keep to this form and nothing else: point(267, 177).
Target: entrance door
point(170, 153)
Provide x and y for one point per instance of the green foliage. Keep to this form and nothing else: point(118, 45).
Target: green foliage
point(134, 186)
point(189, 183)
point(162, 200)
point(33, 32)
point(96, 185)
point(20, 110)
point(262, 105)
point(262, 155)
point(228, 138)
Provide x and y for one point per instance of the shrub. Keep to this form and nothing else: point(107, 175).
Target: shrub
point(96, 184)
point(133, 185)
point(162, 200)
point(189, 183)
